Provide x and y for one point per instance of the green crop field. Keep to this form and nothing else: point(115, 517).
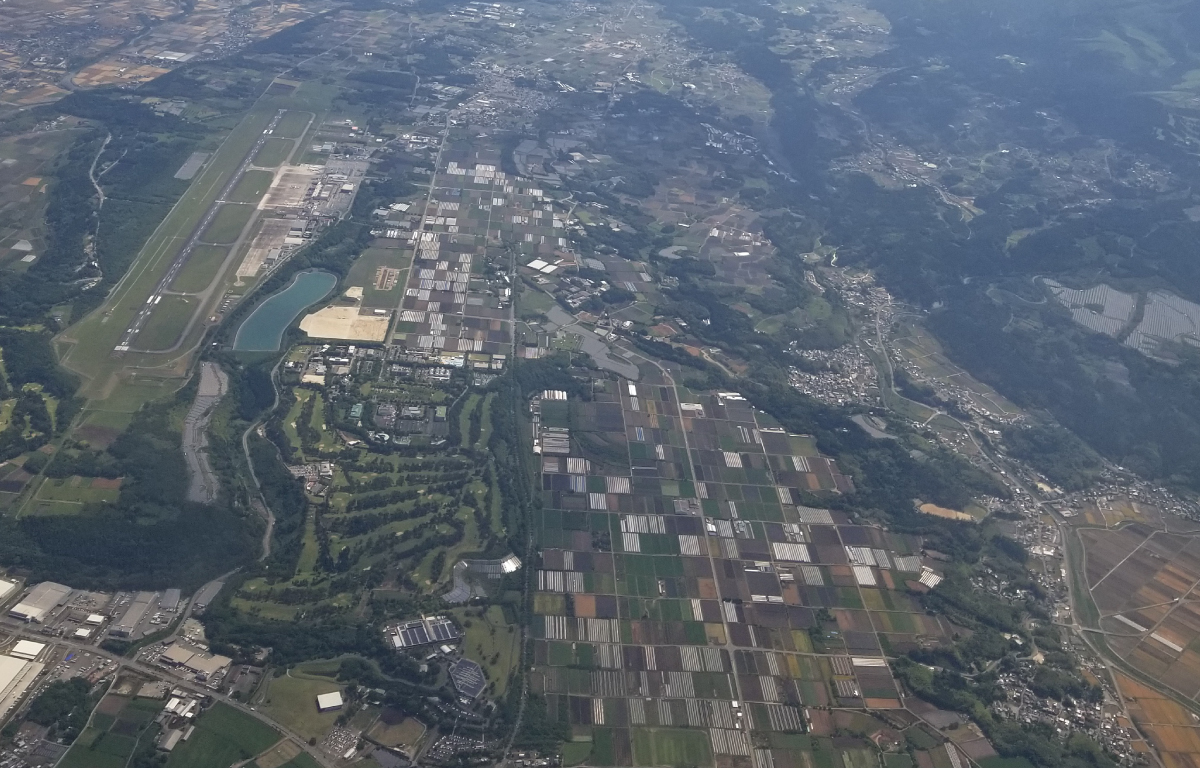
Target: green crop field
point(576, 752)
point(75, 489)
point(252, 187)
point(671, 746)
point(117, 730)
point(274, 151)
point(228, 224)
point(302, 760)
point(223, 737)
point(293, 125)
point(200, 269)
point(166, 323)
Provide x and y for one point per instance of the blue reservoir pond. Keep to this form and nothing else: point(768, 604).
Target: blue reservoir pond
point(263, 330)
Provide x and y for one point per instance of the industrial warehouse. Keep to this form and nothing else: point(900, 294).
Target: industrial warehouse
point(40, 601)
point(16, 676)
point(205, 666)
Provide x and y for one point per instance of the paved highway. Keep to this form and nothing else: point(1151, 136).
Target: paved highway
point(181, 258)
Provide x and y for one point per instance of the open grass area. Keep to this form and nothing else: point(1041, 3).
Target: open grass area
point(302, 760)
point(485, 422)
point(252, 187)
point(532, 303)
point(293, 124)
point(200, 269)
point(464, 419)
point(274, 151)
point(223, 737)
point(228, 224)
point(167, 322)
point(310, 548)
point(292, 700)
point(77, 490)
point(492, 642)
point(366, 270)
point(86, 347)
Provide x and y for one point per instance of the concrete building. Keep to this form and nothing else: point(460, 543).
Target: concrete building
point(40, 601)
point(137, 610)
point(328, 702)
point(16, 676)
point(6, 589)
point(27, 650)
point(169, 738)
point(206, 595)
point(170, 600)
point(202, 664)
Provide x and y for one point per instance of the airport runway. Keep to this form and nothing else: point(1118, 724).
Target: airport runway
point(139, 321)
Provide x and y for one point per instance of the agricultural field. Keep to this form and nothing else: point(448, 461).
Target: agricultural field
point(1139, 579)
point(25, 163)
point(223, 737)
point(78, 490)
point(118, 727)
point(660, 492)
point(1169, 727)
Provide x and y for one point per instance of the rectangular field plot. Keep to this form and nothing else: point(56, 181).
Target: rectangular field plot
point(671, 746)
point(666, 537)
